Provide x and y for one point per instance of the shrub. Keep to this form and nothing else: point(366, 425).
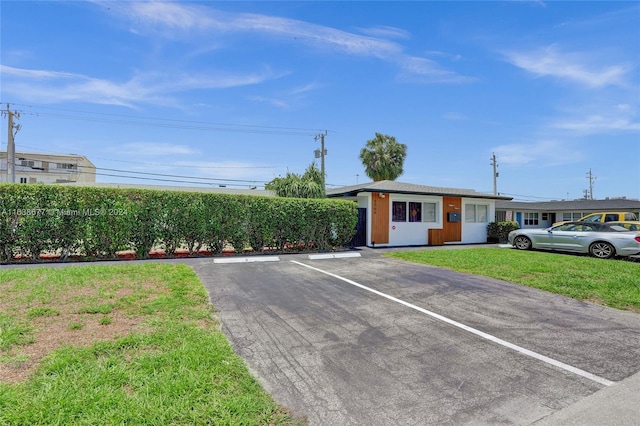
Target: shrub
point(499, 231)
point(99, 222)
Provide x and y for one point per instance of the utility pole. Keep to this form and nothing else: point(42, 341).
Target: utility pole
point(11, 146)
point(320, 153)
point(592, 179)
point(494, 163)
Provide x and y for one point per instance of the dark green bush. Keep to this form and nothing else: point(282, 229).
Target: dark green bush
point(99, 222)
point(499, 231)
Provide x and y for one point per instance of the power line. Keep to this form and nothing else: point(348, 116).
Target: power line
point(156, 164)
point(166, 123)
point(216, 180)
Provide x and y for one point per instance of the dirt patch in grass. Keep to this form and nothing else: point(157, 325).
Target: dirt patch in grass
point(69, 318)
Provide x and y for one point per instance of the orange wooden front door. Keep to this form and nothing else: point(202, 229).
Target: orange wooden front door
point(379, 218)
point(452, 230)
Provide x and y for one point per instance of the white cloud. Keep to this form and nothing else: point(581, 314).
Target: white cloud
point(598, 124)
point(543, 153)
point(576, 67)
point(155, 149)
point(167, 18)
point(386, 32)
point(428, 71)
point(46, 86)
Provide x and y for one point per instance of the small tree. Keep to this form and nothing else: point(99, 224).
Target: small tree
point(309, 185)
point(383, 157)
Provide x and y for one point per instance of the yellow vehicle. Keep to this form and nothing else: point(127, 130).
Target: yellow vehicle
point(609, 217)
point(606, 217)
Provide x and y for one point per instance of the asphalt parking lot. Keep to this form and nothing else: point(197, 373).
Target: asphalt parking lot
point(375, 341)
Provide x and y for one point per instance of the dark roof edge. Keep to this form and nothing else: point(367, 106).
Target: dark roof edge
point(355, 192)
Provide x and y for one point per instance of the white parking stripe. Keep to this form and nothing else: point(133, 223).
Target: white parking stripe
point(332, 256)
point(482, 334)
point(246, 259)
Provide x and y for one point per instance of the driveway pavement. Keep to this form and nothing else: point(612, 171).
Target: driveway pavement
point(376, 341)
point(370, 340)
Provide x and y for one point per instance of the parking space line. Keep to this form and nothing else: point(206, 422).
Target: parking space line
point(246, 259)
point(332, 256)
point(472, 330)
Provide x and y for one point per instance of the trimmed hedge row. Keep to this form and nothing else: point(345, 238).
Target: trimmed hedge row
point(98, 222)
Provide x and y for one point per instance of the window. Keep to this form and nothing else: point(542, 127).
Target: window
point(531, 218)
point(567, 217)
point(611, 217)
point(399, 211)
point(545, 216)
point(476, 213)
point(429, 212)
point(27, 163)
point(415, 212)
point(23, 180)
point(66, 166)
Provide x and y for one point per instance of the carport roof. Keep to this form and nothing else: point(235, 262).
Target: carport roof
point(615, 204)
point(394, 187)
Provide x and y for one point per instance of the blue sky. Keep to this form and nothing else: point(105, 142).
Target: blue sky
point(236, 91)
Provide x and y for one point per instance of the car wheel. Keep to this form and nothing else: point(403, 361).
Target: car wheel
point(522, 243)
point(602, 250)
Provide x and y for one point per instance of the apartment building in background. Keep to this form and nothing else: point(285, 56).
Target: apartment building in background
point(31, 167)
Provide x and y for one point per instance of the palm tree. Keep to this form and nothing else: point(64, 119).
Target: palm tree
point(309, 185)
point(383, 157)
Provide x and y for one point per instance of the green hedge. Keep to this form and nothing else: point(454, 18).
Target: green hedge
point(499, 231)
point(99, 222)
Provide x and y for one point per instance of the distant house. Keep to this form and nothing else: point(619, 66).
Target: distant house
point(402, 214)
point(31, 167)
point(544, 214)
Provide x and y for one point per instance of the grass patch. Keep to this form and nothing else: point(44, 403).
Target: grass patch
point(153, 355)
point(612, 283)
point(13, 331)
point(42, 312)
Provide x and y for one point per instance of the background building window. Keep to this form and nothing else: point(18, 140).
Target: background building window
point(569, 216)
point(530, 218)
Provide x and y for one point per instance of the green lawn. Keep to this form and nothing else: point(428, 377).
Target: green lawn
point(131, 344)
point(614, 283)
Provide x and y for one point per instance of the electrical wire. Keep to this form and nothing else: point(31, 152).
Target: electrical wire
point(167, 123)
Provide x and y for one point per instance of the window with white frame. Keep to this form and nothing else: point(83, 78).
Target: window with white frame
point(476, 213)
point(414, 211)
point(531, 218)
point(66, 166)
point(429, 212)
point(571, 216)
point(399, 211)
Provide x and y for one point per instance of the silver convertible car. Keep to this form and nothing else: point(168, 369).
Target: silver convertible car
point(598, 239)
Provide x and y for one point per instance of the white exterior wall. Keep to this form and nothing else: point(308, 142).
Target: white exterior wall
point(416, 233)
point(45, 168)
point(412, 233)
point(476, 232)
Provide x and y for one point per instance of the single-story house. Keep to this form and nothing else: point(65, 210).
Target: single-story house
point(402, 214)
point(543, 214)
